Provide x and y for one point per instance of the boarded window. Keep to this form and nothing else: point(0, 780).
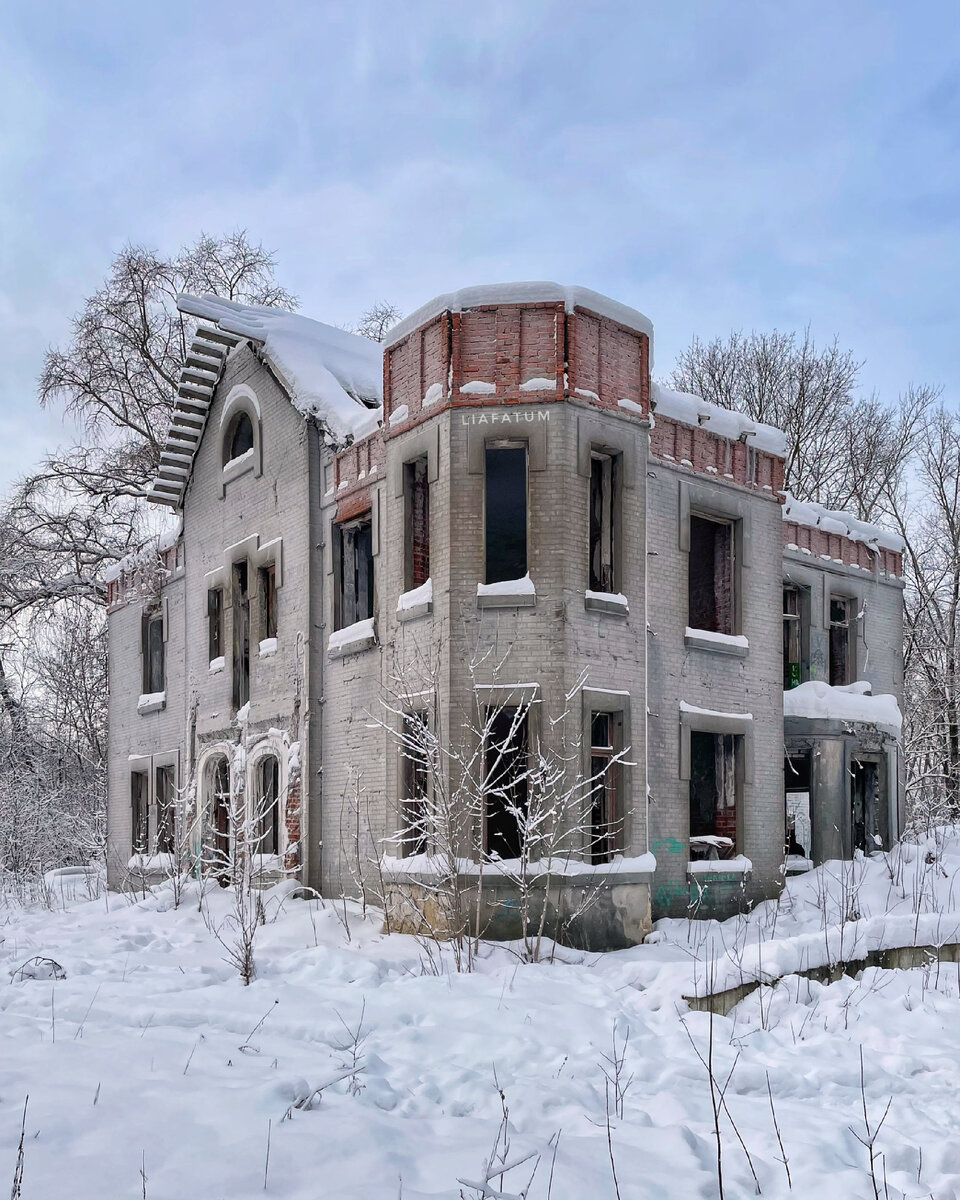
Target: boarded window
point(354, 562)
point(505, 790)
point(710, 575)
point(267, 816)
point(606, 818)
point(153, 664)
point(268, 601)
point(414, 782)
point(714, 791)
point(139, 812)
point(241, 634)
point(604, 497)
point(505, 512)
point(416, 492)
point(239, 437)
point(215, 623)
point(166, 810)
point(792, 638)
point(842, 625)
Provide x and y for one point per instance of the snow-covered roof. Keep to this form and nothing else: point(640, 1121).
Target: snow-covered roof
point(725, 422)
point(524, 293)
point(819, 701)
point(147, 554)
point(804, 512)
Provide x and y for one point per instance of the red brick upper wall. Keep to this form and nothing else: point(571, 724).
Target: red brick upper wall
point(820, 543)
point(708, 453)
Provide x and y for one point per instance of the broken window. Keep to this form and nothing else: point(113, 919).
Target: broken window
point(239, 438)
point(505, 790)
point(796, 786)
point(416, 492)
point(842, 628)
point(606, 820)
point(792, 638)
point(241, 634)
point(139, 812)
point(215, 623)
point(414, 782)
point(870, 818)
point(268, 601)
point(219, 813)
point(505, 512)
point(152, 652)
point(353, 547)
point(710, 575)
point(714, 789)
point(166, 810)
point(267, 816)
point(604, 498)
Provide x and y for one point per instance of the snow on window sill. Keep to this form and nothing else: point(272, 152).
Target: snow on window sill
point(217, 665)
point(508, 593)
point(609, 602)
point(267, 647)
point(239, 466)
point(416, 603)
point(740, 865)
point(353, 639)
point(718, 643)
point(151, 702)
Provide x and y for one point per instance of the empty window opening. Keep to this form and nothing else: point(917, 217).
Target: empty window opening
point(870, 820)
point(239, 437)
point(414, 782)
point(139, 812)
point(792, 639)
point(219, 815)
point(505, 782)
point(606, 820)
point(604, 498)
point(215, 623)
point(796, 786)
point(416, 490)
point(714, 788)
point(267, 579)
point(267, 816)
point(241, 634)
point(505, 512)
point(152, 645)
point(842, 628)
point(710, 575)
point(354, 550)
point(166, 796)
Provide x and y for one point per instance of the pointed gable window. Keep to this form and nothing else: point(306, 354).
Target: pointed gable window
point(239, 439)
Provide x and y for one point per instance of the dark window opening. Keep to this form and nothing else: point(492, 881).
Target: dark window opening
point(241, 635)
point(505, 766)
point(354, 550)
point(414, 782)
point(166, 811)
point(416, 490)
point(267, 817)
point(139, 812)
point(153, 652)
point(220, 814)
point(239, 437)
point(268, 601)
point(606, 820)
point(505, 513)
point(842, 626)
point(792, 639)
point(710, 576)
point(714, 787)
point(870, 818)
point(796, 786)
point(215, 623)
point(604, 498)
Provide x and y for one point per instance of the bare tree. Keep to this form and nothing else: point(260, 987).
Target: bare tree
point(378, 320)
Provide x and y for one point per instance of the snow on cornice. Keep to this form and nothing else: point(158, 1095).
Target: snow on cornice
point(332, 375)
point(725, 422)
point(816, 700)
point(805, 512)
point(524, 293)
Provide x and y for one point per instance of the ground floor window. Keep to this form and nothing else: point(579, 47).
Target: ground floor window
point(267, 815)
point(715, 786)
point(414, 782)
point(505, 780)
point(140, 812)
point(796, 787)
point(606, 818)
point(166, 796)
point(869, 815)
point(217, 847)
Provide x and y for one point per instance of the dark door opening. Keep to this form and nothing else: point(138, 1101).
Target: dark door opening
point(868, 811)
point(799, 811)
point(506, 781)
point(713, 791)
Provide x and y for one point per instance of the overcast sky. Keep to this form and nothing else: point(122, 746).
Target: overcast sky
point(718, 166)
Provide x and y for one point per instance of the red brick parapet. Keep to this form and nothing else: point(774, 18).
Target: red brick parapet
point(834, 546)
point(708, 453)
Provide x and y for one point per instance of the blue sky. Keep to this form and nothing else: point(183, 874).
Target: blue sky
point(737, 165)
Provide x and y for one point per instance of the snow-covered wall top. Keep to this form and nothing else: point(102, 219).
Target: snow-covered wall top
point(725, 422)
point(332, 375)
point(524, 293)
point(806, 513)
point(819, 701)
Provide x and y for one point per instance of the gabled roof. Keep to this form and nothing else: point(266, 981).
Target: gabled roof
point(328, 374)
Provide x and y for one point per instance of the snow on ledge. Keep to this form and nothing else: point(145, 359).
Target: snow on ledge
point(816, 700)
point(712, 712)
point(152, 862)
point(358, 636)
point(217, 665)
point(438, 864)
point(417, 597)
point(151, 701)
point(689, 409)
point(739, 865)
point(508, 587)
point(433, 394)
point(478, 387)
point(631, 406)
point(267, 647)
point(399, 415)
point(540, 384)
point(831, 521)
point(722, 639)
point(610, 601)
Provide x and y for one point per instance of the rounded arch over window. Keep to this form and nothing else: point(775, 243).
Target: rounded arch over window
point(240, 434)
point(239, 437)
point(217, 824)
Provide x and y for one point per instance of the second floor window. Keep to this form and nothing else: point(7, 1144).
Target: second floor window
point(241, 634)
point(792, 639)
point(416, 492)
point(215, 623)
point(842, 629)
point(268, 602)
point(152, 652)
point(353, 550)
point(505, 512)
point(239, 438)
point(604, 568)
point(710, 575)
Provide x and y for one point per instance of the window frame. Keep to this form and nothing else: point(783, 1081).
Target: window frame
point(267, 600)
point(346, 605)
point(607, 827)
point(494, 445)
point(153, 636)
point(411, 774)
point(267, 819)
point(412, 488)
point(165, 803)
point(849, 625)
point(140, 811)
point(611, 516)
point(735, 536)
point(215, 624)
point(240, 606)
point(800, 630)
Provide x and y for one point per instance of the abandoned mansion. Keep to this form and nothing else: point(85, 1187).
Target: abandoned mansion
point(487, 601)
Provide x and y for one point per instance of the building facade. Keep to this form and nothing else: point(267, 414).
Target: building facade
point(486, 601)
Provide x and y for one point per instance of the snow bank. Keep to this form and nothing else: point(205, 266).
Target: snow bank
point(819, 701)
point(332, 375)
point(804, 512)
point(726, 422)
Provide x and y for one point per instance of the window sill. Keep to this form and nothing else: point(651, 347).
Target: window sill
point(151, 703)
point(716, 643)
point(216, 665)
point(418, 602)
point(509, 593)
point(740, 865)
point(608, 602)
point(267, 648)
point(353, 639)
point(237, 467)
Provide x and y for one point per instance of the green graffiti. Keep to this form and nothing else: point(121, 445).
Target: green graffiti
point(667, 846)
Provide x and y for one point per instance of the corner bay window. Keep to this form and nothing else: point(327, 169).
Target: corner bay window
point(604, 568)
point(710, 580)
point(353, 563)
point(505, 511)
point(505, 780)
point(416, 498)
point(606, 823)
point(413, 785)
point(714, 791)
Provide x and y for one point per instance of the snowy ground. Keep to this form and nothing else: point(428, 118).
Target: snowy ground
point(151, 1056)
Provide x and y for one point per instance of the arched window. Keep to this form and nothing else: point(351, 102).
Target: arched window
point(239, 437)
point(267, 815)
point(217, 841)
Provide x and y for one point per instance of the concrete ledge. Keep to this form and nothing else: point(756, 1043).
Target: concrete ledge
point(418, 610)
point(516, 599)
point(354, 639)
point(597, 602)
point(696, 639)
